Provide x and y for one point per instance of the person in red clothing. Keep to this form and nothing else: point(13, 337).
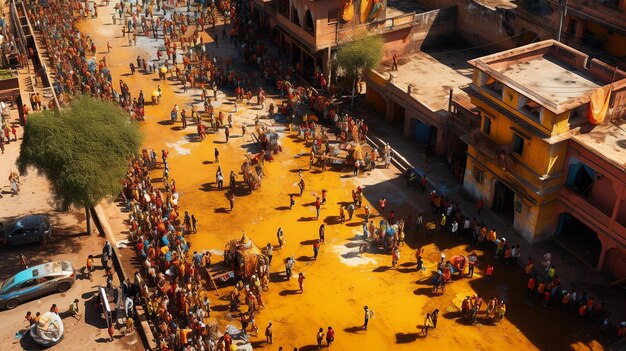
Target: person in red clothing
point(330, 336)
point(318, 205)
point(489, 272)
point(301, 282)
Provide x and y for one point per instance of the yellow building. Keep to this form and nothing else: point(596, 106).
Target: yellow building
point(530, 100)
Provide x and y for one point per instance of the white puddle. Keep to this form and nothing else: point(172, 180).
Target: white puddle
point(178, 147)
point(351, 256)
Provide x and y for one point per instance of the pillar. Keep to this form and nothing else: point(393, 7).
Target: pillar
point(390, 110)
point(440, 147)
point(407, 124)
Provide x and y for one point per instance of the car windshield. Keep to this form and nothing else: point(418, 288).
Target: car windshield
point(7, 283)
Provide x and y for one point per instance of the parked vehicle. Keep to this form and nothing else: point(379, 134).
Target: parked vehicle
point(26, 230)
point(36, 281)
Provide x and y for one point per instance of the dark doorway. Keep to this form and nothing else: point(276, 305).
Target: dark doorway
point(579, 238)
point(398, 114)
point(580, 178)
point(503, 200)
point(308, 67)
point(296, 56)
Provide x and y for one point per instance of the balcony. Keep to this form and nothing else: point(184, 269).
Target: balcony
point(590, 215)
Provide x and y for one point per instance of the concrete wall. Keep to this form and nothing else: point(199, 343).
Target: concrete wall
point(480, 26)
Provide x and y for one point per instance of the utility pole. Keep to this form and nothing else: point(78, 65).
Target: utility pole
point(561, 17)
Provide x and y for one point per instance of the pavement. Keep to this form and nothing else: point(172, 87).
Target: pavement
point(69, 242)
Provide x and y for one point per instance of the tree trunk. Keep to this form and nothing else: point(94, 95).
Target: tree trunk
point(352, 97)
point(88, 216)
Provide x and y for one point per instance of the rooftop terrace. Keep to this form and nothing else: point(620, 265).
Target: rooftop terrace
point(551, 78)
point(554, 75)
point(607, 141)
point(432, 75)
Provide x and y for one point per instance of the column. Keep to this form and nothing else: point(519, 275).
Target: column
point(390, 110)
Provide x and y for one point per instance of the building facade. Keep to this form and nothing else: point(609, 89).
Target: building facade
point(311, 30)
point(592, 201)
point(530, 100)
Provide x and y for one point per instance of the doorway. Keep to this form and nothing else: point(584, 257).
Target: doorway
point(579, 238)
point(503, 200)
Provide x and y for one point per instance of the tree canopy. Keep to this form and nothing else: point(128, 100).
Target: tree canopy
point(361, 54)
point(82, 150)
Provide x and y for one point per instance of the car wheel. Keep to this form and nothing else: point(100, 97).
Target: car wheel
point(11, 304)
point(63, 287)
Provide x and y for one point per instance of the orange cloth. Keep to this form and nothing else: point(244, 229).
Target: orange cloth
point(599, 105)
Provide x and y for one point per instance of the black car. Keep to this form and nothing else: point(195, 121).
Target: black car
point(25, 230)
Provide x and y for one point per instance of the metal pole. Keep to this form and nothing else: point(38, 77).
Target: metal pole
point(561, 17)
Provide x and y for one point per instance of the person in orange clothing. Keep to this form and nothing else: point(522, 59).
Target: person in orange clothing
point(530, 287)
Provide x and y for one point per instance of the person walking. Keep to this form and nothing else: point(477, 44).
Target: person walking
point(291, 201)
point(217, 155)
point(350, 210)
point(434, 316)
point(89, 266)
point(301, 282)
point(280, 235)
point(428, 323)
point(318, 206)
point(231, 200)
point(288, 266)
point(367, 315)
point(322, 232)
point(23, 261)
point(320, 338)
point(226, 133)
point(330, 336)
point(268, 333)
point(316, 249)
point(269, 251)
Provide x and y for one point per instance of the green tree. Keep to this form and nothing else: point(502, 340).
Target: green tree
point(358, 56)
point(82, 150)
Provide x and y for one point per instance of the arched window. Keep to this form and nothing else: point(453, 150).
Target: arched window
point(295, 17)
point(308, 22)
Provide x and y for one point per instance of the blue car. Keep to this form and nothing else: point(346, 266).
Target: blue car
point(58, 276)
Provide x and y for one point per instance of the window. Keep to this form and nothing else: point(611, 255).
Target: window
point(532, 110)
point(333, 16)
point(479, 175)
point(28, 284)
point(518, 144)
point(494, 87)
point(486, 125)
